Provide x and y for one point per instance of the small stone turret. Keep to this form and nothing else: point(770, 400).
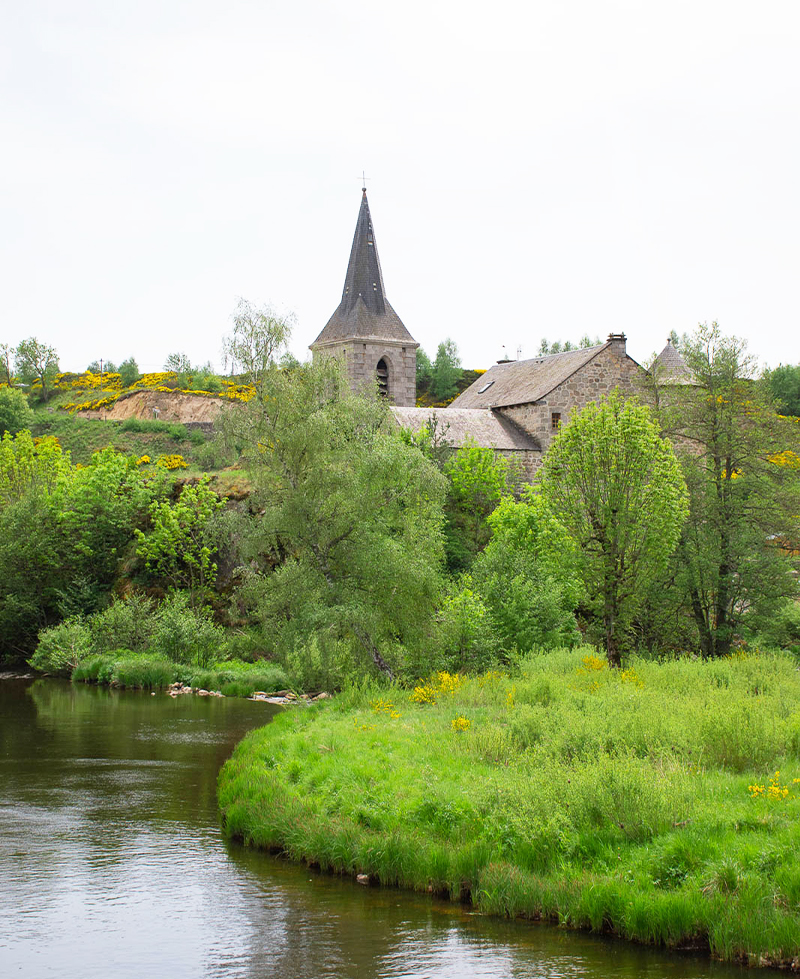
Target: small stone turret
point(364, 329)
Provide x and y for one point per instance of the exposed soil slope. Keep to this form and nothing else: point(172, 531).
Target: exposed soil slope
point(167, 406)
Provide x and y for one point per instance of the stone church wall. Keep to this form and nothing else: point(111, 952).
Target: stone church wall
point(361, 358)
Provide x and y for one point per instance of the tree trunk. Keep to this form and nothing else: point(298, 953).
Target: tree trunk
point(706, 638)
point(612, 650)
point(374, 652)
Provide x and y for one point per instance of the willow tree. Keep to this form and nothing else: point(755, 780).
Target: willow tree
point(349, 516)
point(617, 487)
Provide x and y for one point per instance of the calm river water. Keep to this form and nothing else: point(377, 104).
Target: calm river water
point(112, 864)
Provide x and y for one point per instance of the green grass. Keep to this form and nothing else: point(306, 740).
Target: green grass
point(615, 802)
point(123, 668)
point(84, 436)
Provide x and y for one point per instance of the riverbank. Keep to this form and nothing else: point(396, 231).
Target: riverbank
point(230, 678)
point(659, 803)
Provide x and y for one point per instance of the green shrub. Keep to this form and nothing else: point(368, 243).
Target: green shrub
point(186, 635)
point(782, 629)
point(174, 430)
point(15, 412)
point(465, 637)
point(322, 663)
point(61, 647)
point(128, 622)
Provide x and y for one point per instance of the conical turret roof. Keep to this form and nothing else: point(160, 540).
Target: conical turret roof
point(364, 310)
point(671, 368)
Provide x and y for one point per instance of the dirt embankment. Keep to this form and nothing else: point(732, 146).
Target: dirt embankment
point(162, 405)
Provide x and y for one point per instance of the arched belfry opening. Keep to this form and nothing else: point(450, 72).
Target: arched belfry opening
point(364, 330)
point(382, 370)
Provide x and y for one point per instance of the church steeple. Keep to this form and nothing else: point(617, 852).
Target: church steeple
point(364, 276)
point(364, 328)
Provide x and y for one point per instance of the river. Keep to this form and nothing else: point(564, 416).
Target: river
point(112, 864)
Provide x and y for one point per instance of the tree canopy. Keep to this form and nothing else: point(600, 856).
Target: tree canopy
point(741, 464)
point(445, 371)
point(36, 362)
point(15, 412)
point(351, 510)
point(784, 386)
point(259, 334)
point(617, 487)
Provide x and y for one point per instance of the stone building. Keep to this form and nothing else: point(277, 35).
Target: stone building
point(517, 406)
point(514, 408)
point(364, 328)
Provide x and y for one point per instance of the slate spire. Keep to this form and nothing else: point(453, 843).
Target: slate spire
point(364, 311)
point(364, 277)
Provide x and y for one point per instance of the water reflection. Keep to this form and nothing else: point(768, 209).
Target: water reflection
point(112, 865)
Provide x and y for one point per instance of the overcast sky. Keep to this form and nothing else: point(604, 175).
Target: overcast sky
point(535, 169)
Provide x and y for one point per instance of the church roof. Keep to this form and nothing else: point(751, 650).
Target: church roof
point(458, 426)
point(670, 368)
point(523, 381)
point(364, 310)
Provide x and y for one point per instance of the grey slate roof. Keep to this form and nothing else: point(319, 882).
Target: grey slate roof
point(364, 310)
point(671, 368)
point(523, 381)
point(458, 426)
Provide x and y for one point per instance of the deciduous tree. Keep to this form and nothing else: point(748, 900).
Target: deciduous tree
point(15, 412)
point(446, 371)
point(6, 374)
point(741, 466)
point(617, 487)
point(351, 510)
point(35, 361)
point(181, 544)
point(259, 334)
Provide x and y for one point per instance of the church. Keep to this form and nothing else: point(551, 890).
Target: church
point(515, 408)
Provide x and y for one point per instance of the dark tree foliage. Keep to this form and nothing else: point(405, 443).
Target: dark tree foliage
point(784, 386)
point(741, 466)
point(446, 371)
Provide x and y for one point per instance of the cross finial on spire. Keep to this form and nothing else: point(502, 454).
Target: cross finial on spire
point(363, 183)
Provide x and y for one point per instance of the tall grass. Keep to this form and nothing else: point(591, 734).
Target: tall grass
point(124, 668)
point(614, 801)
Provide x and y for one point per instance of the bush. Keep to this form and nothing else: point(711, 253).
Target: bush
point(61, 647)
point(186, 635)
point(322, 662)
point(176, 431)
point(465, 637)
point(526, 576)
point(782, 629)
point(15, 412)
point(127, 622)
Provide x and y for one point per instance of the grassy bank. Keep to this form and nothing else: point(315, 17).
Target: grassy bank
point(233, 678)
point(660, 803)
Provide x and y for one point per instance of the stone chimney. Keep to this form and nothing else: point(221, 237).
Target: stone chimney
point(617, 341)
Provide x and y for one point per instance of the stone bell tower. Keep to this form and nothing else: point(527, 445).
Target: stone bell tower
point(365, 330)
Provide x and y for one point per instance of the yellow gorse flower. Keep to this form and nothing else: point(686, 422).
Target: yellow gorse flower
point(787, 458)
point(173, 461)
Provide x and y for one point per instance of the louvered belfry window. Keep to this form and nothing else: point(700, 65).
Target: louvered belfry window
point(382, 371)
